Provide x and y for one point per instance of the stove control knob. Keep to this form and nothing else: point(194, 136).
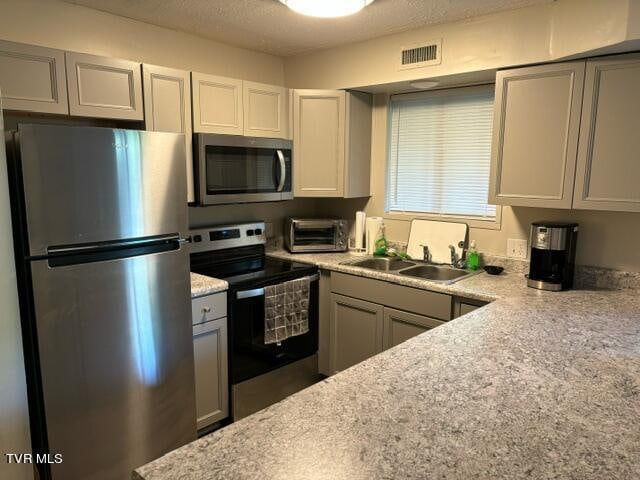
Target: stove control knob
point(258, 231)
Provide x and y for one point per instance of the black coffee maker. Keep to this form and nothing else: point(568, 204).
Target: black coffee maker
point(553, 254)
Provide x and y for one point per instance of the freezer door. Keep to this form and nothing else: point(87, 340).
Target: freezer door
point(116, 360)
point(86, 184)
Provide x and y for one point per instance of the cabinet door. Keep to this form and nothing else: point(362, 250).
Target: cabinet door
point(319, 143)
point(266, 110)
point(356, 331)
point(210, 357)
point(167, 108)
point(400, 326)
point(32, 79)
point(608, 173)
point(217, 104)
point(104, 87)
point(535, 135)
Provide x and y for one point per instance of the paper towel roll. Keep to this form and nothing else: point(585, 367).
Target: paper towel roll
point(373, 226)
point(360, 225)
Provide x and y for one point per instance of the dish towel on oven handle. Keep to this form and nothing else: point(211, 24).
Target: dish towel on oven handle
point(286, 310)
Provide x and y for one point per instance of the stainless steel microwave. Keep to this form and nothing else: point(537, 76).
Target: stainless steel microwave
point(238, 169)
point(316, 235)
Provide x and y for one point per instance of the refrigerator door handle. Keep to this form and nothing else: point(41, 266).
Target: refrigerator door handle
point(71, 249)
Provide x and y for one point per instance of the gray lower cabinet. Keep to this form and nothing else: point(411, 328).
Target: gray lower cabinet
point(356, 331)
point(369, 315)
point(400, 326)
point(462, 306)
point(210, 358)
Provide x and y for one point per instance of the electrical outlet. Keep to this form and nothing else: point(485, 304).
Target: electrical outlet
point(517, 248)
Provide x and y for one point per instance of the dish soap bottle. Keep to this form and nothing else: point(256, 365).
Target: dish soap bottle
point(473, 257)
point(381, 246)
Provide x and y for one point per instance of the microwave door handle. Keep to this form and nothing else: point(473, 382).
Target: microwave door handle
point(283, 171)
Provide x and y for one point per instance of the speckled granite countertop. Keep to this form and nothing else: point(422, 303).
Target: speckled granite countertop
point(202, 285)
point(535, 385)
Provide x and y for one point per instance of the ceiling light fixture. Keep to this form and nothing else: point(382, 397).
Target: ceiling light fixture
point(326, 8)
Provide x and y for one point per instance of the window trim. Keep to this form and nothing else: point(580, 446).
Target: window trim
point(472, 221)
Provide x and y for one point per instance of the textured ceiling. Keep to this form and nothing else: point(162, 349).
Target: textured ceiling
point(268, 26)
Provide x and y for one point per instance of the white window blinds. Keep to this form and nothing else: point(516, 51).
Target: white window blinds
point(440, 152)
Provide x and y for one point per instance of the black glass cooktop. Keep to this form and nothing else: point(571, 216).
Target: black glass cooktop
point(247, 267)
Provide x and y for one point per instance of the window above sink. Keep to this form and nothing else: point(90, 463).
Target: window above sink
point(439, 155)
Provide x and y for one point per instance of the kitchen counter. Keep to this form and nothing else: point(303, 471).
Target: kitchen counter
point(202, 285)
point(536, 385)
point(480, 286)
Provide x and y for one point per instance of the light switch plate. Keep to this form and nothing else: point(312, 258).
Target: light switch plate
point(517, 248)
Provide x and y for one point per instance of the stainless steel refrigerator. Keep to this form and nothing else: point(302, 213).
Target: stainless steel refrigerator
point(105, 296)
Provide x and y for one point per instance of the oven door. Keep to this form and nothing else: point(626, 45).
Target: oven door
point(250, 357)
point(314, 235)
point(235, 169)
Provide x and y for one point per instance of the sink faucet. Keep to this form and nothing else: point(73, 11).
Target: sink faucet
point(455, 261)
point(426, 256)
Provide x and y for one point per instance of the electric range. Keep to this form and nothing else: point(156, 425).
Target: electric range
point(259, 373)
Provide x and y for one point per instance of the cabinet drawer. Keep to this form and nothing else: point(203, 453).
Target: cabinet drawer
point(423, 302)
point(209, 307)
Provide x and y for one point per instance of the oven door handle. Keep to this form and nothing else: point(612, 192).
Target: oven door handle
point(283, 170)
point(256, 292)
point(259, 292)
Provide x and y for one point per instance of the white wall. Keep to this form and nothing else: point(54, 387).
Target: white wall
point(71, 27)
point(14, 415)
point(536, 34)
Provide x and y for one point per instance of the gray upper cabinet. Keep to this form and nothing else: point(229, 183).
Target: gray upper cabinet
point(167, 108)
point(535, 135)
point(400, 326)
point(266, 110)
point(608, 172)
point(217, 104)
point(103, 87)
point(356, 331)
point(32, 79)
point(332, 143)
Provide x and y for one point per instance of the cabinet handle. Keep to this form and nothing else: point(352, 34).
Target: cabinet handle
point(206, 309)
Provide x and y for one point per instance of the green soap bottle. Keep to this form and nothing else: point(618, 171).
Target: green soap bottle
point(380, 246)
point(473, 257)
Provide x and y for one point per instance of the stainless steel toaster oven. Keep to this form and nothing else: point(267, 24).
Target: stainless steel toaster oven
point(316, 235)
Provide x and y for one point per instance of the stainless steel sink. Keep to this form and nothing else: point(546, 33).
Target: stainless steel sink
point(436, 273)
point(384, 264)
point(397, 266)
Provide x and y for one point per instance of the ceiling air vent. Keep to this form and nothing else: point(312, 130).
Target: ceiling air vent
point(421, 55)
